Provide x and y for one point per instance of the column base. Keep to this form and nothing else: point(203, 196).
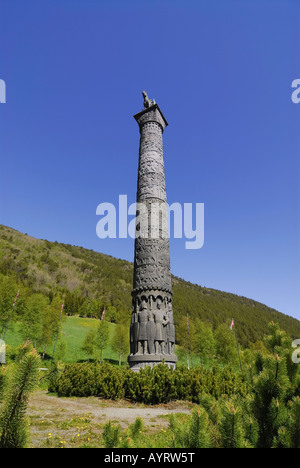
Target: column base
point(139, 361)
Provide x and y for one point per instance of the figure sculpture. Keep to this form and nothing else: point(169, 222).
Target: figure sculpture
point(171, 329)
point(142, 338)
point(147, 102)
point(160, 331)
point(134, 327)
point(151, 333)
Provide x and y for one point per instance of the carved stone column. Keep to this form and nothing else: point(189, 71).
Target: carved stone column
point(152, 288)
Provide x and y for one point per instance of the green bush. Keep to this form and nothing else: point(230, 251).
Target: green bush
point(89, 379)
point(150, 385)
point(259, 408)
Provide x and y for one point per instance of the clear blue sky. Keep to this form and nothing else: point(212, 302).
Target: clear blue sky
point(220, 70)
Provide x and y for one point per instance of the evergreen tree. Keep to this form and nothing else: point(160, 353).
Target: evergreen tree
point(231, 427)
point(289, 434)
point(268, 406)
point(194, 434)
point(294, 423)
point(23, 379)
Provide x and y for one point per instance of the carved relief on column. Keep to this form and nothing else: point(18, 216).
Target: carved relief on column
point(152, 328)
point(152, 331)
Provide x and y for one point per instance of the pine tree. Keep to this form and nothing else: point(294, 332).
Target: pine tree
point(294, 423)
point(268, 404)
point(21, 382)
point(289, 435)
point(111, 434)
point(195, 434)
point(199, 436)
point(231, 427)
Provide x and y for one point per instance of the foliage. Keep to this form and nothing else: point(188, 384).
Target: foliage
point(102, 338)
point(111, 435)
point(8, 291)
point(86, 379)
point(90, 281)
point(120, 341)
point(89, 343)
point(17, 387)
point(150, 385)
point(193, 435)
point(231, 427)
point(259, 408)
point(225, 345)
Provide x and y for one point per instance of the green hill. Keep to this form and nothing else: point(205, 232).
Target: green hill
point(89, 281)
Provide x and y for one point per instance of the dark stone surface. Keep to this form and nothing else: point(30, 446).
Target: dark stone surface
point(152, 331)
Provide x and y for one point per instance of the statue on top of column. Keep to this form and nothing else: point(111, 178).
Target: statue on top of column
point(147, 102)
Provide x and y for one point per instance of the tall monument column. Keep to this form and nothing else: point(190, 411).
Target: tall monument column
point(152, 330)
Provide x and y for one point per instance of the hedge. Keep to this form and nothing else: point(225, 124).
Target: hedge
point(150, 385)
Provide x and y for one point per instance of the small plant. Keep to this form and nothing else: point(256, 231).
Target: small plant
point(21, 381)
point(193, 434)
point(232, 430)
point(136, 428)
point(111, 435)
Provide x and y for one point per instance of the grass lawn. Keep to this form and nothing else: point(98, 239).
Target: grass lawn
point(74, 331)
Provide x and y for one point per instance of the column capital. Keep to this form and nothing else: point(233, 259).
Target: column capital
point(151, 114)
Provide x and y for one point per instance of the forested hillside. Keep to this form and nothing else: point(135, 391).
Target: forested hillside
point(88, 281)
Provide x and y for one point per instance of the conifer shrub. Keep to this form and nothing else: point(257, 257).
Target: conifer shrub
point(136, 428)
point(89, 379)
point(231, 428)
point(150, 385)
point(257, 408)
point(193, 434)
point(2, 380)
point(269, 391)
point(111, 435)
point(22, 379)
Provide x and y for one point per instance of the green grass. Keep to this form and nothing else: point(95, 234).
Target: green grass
point(74, 331)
